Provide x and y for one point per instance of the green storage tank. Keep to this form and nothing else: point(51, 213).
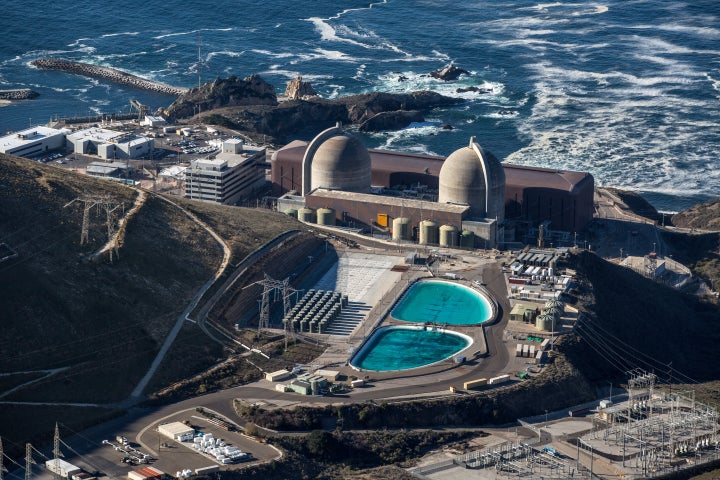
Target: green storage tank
point(306, 215)
point(326, 216)
point(467, 239)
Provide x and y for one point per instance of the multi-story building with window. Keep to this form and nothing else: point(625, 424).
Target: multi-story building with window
point(237, 172)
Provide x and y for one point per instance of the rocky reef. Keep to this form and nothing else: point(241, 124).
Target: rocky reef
point(251, 106)
point(18, 94)
point(106, 73)
point(450, 72)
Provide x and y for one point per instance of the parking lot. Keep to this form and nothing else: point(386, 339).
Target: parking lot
point(173, 456)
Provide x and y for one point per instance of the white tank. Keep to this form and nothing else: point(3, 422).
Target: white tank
point(401, 228)
point(448, 236)
point(428, 232)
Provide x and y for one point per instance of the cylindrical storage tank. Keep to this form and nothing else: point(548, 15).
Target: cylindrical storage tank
point(326, 216)
point(545, 323)
point(467, 239)
point(448, 236)
point(401, 228)
point(291, 212)
point(428, 232)
point(306, 215)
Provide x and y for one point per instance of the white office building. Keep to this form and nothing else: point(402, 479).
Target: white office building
point(32, 141)
point(110, 144)
point(237, 172)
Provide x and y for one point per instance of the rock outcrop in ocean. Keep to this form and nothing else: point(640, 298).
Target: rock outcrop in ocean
point(451, 72)
point(106, 73)
point(297, 88)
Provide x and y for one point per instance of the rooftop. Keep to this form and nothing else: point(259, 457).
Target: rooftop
point(98, 134)
point(28, 135)
point(390, 201)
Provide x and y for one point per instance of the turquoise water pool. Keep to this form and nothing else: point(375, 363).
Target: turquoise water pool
point(443, 302)
point(403, 348)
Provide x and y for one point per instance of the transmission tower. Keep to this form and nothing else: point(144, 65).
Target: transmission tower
point(270, 286)
point(56, 448)
point(28, 461)
point(104, 202)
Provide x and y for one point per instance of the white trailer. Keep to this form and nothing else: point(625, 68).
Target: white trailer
point(62, 468)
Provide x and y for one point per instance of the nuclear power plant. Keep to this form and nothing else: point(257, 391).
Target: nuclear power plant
point(469, 199)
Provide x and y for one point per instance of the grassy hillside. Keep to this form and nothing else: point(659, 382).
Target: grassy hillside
point(704, 216)
point(632, 322)
point(87, 331)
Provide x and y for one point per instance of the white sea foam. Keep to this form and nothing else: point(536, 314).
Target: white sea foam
point(107, 35)
point(191, 32)
point(224, 53)
point(408, 81)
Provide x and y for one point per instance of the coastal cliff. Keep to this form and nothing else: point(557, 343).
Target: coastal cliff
point(257, 112)
point(225, 92)
point(106, 73)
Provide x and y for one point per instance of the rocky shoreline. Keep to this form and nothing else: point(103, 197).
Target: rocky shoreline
point(18, 94)
point(106, 73)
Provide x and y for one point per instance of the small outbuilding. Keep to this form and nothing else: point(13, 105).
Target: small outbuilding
point(146, 473)
point(177, 431)
point(62, 468)
point(278, 376)
point(329, 375)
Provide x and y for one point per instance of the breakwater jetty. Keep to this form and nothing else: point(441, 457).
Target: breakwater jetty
point(106, 73)
point(18, 94)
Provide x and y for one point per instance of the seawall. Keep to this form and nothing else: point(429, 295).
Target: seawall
point(106, 73)
point(18, 94)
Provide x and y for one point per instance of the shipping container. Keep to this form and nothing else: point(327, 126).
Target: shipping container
point(526, 350)
point(518, 350)
point(475, 383)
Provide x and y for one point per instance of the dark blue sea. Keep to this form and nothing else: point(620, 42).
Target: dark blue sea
point(628, 90)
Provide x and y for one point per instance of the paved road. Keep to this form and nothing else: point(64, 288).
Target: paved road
point(140, 387)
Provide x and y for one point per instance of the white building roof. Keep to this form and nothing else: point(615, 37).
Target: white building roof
point(174, 171)
point(98, 134)
point(175, 428)
point(28, 135)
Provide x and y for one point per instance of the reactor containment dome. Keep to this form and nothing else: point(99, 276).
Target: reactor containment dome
point(336, 160)
point(475, 177)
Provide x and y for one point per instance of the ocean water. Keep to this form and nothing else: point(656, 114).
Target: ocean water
point(627, 90)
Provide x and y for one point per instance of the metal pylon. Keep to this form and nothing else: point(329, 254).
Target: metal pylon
point(270, 285)
point(28, 461)
point(101, 201)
